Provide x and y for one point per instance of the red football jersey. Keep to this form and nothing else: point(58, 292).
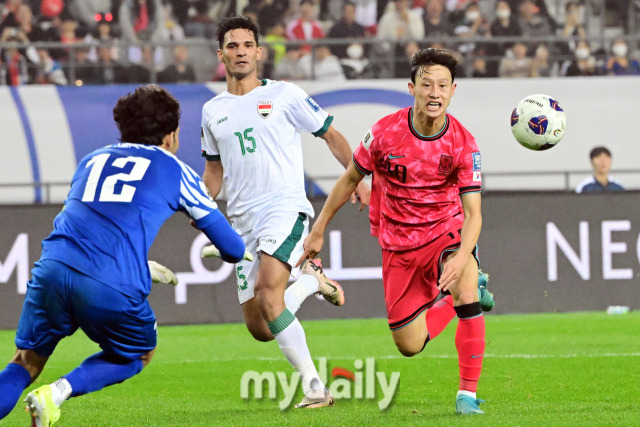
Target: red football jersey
point(417, 180)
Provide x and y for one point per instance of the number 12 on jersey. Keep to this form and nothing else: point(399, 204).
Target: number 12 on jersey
point(108, 194)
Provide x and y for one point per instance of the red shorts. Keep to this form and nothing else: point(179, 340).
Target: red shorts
point(410, 277)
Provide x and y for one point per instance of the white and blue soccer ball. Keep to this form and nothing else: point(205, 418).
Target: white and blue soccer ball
point(538, 122)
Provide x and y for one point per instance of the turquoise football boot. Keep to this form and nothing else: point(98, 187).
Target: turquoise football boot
point(484, 296)
point(467, 405)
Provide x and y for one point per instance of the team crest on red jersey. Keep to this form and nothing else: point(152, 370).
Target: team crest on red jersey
point(446, 164)
point(265, 108)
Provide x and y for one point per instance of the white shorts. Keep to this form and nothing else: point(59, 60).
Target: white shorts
point(279, 234)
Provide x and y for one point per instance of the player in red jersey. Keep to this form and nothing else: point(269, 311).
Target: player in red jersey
point(425, 211)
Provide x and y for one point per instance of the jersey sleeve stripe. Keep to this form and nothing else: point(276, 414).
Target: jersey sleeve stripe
point(193, 194)
point(195, 212)
point(203, 198)
point(189, 173)
point(189, 169)
point(211, 157)
point(361, 168)
point(404, 322)
point(185, 193)
point(324, 127)
point(470, 189)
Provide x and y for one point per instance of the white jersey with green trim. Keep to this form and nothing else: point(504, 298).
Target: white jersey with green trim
point(257, 138)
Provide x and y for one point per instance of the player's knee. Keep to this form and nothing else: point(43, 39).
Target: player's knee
point(264, 296)
point(270, 303)
point(408, 351)
point(408, 348)
point(146, 358)
point(466, 296)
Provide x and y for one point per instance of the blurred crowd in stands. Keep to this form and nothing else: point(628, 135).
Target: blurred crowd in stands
point(79, 42)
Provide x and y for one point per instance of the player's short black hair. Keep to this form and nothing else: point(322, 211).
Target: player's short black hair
point(234, 23)
point(599, 150)
point(432, 56)
point(146, 115)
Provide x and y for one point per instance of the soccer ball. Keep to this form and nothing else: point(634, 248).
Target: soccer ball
point(538, 122)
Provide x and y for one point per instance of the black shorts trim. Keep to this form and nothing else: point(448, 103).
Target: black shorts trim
point(453, 248)
point(404, 322)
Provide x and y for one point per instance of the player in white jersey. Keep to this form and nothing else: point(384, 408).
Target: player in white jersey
point(257, 138)
point(252, 142)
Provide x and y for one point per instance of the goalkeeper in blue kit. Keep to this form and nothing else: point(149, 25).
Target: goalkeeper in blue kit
point(93, 273)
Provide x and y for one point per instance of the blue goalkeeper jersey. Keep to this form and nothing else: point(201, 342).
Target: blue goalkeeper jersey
point(120, 196)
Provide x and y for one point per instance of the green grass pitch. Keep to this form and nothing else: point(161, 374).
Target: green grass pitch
point(539, 369)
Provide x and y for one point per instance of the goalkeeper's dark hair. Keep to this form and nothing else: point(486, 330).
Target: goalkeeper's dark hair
point(146, 115)
point(430, 56)
point(234, 23)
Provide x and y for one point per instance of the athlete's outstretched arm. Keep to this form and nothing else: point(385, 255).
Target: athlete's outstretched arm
point(471, 226)
point(340, 193)
point(341, 150)
point(212, 177)
point(223, 237)
point(338, 145)
point(204, 212)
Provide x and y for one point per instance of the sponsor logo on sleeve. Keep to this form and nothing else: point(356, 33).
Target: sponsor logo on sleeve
point(477, 162)
point(314, 106)
point(265, 108)
point(367, 140)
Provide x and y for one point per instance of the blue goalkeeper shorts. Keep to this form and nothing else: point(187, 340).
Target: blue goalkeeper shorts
point(60, 300)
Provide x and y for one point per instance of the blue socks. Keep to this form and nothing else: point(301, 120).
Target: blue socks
point(96, 372)
point(99, 371)
point(13, 380)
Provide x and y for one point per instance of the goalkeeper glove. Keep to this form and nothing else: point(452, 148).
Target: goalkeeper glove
point(161, 274)
point(211, 251)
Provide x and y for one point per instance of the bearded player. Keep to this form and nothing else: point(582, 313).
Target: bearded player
point(425, 211)
point(251, 139)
